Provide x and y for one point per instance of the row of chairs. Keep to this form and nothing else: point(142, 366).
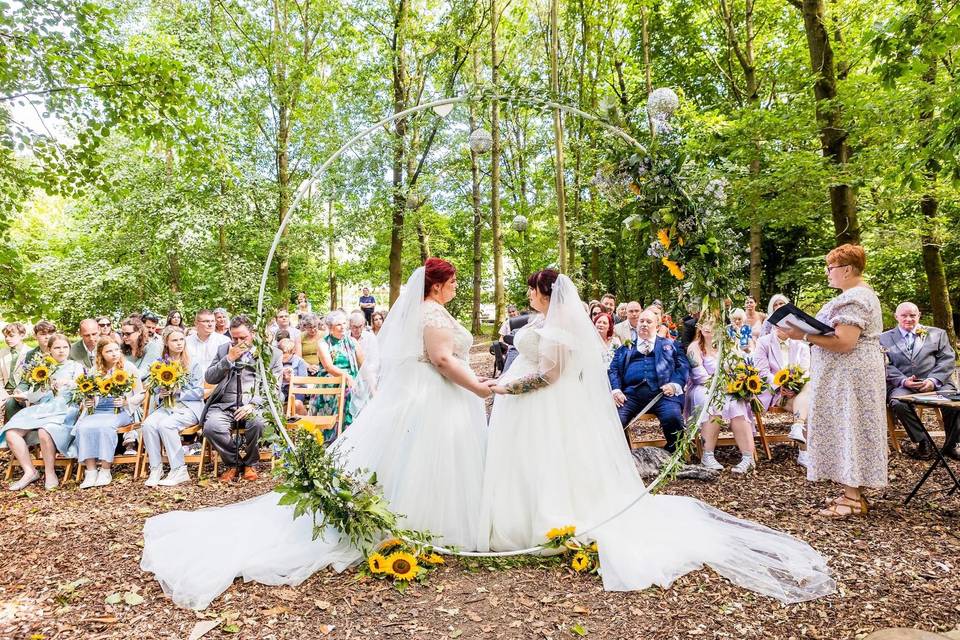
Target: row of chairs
point(334, 386)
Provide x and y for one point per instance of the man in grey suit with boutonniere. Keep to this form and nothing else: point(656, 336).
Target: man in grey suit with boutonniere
point(919, 360)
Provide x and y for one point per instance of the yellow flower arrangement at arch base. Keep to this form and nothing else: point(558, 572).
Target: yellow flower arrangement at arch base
point(586, 556)
point(401, 562)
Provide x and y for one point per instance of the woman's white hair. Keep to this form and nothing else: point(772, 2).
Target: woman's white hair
point(336, 317)
point(738, 313)
point(775, 298)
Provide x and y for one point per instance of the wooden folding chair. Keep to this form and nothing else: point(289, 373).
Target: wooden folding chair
point(136, 459)
point(765, 439)
point(896, 432)
point(636, 443)
point(335, 386)
point(37, 460)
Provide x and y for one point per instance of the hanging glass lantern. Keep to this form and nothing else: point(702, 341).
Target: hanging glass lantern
point(520, 223)
point(481, 141)
point(661, 103)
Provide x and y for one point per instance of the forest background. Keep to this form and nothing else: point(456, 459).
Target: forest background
point(150, 148)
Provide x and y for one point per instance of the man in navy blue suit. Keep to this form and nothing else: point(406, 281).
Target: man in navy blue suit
point(641, 370)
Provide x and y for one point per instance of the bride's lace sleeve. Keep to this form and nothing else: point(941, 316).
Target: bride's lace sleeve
point(549, 367)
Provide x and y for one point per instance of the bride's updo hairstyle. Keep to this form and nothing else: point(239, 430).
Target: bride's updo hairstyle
point(543, 281)
point(436, 271)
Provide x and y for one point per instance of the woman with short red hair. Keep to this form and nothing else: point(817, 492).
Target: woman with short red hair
point(846, 421)
point(604, 324)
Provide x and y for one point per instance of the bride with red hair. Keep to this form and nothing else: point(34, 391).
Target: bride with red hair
point(423, 434)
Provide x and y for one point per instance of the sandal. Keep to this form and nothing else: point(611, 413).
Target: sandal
point(844, 507)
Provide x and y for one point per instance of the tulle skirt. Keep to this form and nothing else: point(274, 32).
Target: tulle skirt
point(557, 457)
point(424, 437)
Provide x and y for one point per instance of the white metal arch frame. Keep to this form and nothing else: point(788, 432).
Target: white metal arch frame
point(301, 193)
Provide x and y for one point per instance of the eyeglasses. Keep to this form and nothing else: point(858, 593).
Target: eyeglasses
point(831, 267)
point(127, 334)
point(104, 324)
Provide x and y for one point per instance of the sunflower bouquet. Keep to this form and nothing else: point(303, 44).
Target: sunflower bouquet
point(86, 389)
point(792, 379)
point(585, 558)
point(38, 373)
point(170, 375)
point(116, 385)
point(402, 562)
point(745, 383)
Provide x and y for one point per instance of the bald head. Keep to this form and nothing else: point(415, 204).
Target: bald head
point(89, 333)
point(633, 312)
point(907, 315)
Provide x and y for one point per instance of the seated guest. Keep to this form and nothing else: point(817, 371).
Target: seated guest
point(367, 342)
point(604, 324)
point(776, 301)
point(376, 321)
point(224, 410)
point(644, 369)
point(739, 331)
point(11, 361)
point(138, 348)
point(47, 420)
point(84, 349)
point(106, 326)
point(594, 309)
point(96, 432)
point(174, 319)
point(626, 331)
point(341, 357)
point(281, 322)
point(151, 322)
point(621, 312)
point(221, 321)
point(42, 332)
point(776, 351)
point(609, 303)
point(689, 325)
point(311, 342)
point(165, 423)
point(293, 366)
point(702, 355)
point(203, 344)
point(919, 360)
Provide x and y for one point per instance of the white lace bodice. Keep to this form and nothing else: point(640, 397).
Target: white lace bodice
point(433, 314)
point(527, 340)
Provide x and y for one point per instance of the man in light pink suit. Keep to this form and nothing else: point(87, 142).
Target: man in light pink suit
point(776, 351)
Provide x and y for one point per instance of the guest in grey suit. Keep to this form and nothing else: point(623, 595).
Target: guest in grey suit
point(84, 350)
point(224, 408)
point(919, 360)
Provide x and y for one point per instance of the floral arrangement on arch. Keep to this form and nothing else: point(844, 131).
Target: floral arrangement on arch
point(402, 562)
point(584, 558)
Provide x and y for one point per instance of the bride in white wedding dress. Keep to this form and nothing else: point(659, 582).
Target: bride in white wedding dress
point(422, 433)
point(556, 456)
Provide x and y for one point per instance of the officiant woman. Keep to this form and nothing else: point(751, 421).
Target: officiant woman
point(846, 434)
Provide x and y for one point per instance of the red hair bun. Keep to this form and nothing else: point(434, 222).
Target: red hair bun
point(437, 271)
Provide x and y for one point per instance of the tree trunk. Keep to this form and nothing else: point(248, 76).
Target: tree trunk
point(558, 166)
point(931, 236)
point(498, 296)
point(173, 248)
point(283, 148)
point(475, 327)
point(400, 131)
point(833, 137)
point(331, 258)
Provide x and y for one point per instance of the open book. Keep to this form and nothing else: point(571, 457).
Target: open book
point(789, 314)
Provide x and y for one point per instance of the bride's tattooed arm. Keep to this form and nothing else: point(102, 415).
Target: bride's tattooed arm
point(526, 384)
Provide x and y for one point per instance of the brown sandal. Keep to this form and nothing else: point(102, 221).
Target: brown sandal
point(852, 508)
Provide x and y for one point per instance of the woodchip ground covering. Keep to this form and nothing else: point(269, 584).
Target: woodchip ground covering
point(70, 570)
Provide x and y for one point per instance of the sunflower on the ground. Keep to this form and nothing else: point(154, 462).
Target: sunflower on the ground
point(401, 561)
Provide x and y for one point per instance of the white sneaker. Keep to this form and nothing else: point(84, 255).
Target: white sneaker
point(154, 478)
point(745, 465)
point(176, 476)
point(129, 451)
point(803, 459)
point(89, 479)
point(796, 432)
point(710, 462)
point(25, 481)
point(104, 477)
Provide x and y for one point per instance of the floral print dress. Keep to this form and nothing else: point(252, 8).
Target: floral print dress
point(847, 437)
point(343, 354)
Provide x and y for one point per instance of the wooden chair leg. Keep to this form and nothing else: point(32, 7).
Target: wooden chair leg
point(8, 476)
point(138, 463)
point(892, 431)
point(762, 430)
point(203, 450)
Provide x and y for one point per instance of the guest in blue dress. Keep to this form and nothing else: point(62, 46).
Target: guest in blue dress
point(47, 420)
point(164, 423)
point(96, 432)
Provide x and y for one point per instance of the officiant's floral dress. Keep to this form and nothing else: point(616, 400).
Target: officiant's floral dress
point(847, 436)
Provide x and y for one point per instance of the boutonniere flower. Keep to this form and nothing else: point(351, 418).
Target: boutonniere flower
point(920, 331)
point(628, 343)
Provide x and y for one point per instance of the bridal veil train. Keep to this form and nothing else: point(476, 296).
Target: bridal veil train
point(421, 433)
point(556, 456)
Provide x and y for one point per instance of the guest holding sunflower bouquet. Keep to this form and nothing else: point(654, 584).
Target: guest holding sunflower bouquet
point(96, 432)
point(178, 387)
point(784, 362)
point(736, 408)
point(48, 417)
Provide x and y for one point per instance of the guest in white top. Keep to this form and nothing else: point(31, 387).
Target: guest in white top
point(202, 346)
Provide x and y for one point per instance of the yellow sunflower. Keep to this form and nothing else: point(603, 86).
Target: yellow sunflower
point(40, 374)
point(120, 378)
point(85, 386)
point(377, 564)
point(560, 532)
point(402, 565)
point(580, 562)
point(737, 385)
point(593, 547)
point(104, 386)
point(155, 367)
point(167, 374)
point(664, 237)
point(432, 558)
point(673, 268)
point(389, 544)
point(782, 376)
point(754, 384)
point(49, 360)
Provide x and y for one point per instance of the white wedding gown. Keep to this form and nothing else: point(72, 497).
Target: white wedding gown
point(556, 456)
point(422, 434)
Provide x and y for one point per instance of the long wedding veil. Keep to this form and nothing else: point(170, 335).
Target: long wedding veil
point(401, 337)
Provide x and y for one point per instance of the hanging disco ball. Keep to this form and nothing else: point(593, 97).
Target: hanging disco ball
point(415, 200)
point(661, 103)
point(481, 141)
point(520, 223)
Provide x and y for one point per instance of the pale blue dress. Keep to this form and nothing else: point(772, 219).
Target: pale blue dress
point(51, 412)
point(96, 432)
